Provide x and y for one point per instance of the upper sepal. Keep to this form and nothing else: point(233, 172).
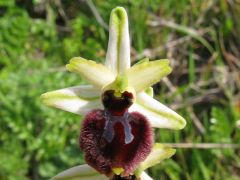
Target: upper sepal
point(118, 53)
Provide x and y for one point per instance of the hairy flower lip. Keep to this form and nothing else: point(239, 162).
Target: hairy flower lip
point(105, 155)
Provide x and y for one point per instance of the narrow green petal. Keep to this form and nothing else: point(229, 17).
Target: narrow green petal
point(82, 172)
point(159, 115)
point(149, 91)
point(118, 53)
point(97, 74)
point(77, 99)
point(158, 153)
point(144, 60)
point(145, 74)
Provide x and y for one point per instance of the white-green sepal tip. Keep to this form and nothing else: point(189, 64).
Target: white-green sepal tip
point(78, 99)
point(159, 115)
point(118, 52)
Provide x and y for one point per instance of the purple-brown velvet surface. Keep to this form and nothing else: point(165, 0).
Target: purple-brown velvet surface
point(103, 155)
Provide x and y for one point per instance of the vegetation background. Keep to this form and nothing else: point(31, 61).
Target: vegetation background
point(201, 39)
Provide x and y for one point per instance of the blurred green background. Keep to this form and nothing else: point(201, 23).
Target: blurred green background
point(201, 39)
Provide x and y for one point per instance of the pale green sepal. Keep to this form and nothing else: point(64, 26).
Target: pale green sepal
point(118, 53)
point(77, 99)
point(97, 74)
point(82, 172)
point(145, 74)
point(145, 176)
point(158, 153)
point(149, 91)
point(159, 115)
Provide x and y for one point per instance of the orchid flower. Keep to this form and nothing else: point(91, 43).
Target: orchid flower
point(116, 134)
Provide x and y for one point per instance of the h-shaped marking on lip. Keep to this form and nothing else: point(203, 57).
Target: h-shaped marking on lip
point(111, 120)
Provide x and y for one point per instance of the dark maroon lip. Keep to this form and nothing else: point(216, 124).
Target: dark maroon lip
point(117, 146)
